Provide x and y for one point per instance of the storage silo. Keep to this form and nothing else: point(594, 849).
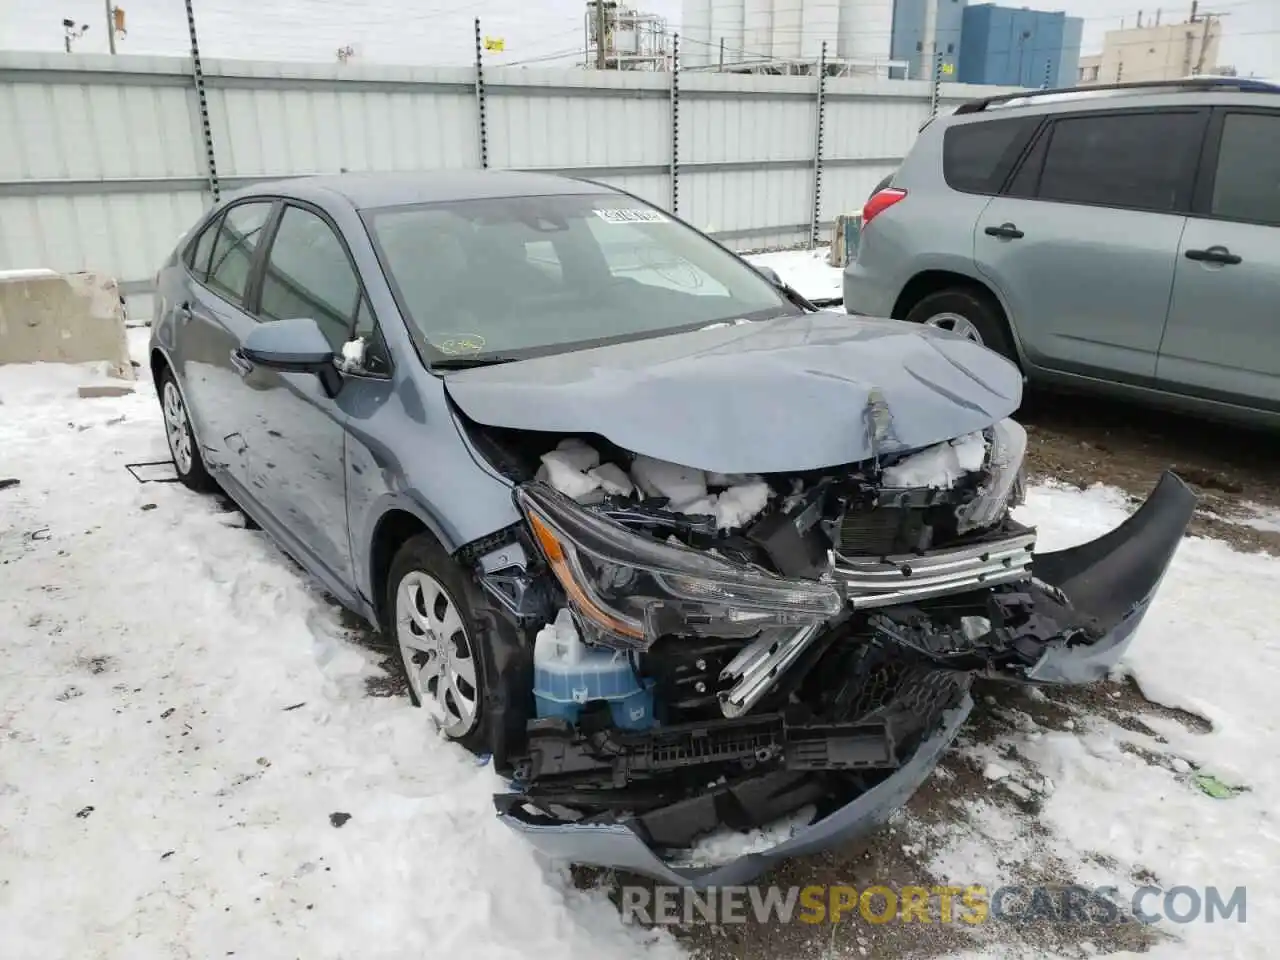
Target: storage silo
point(758, 29)
point(727, 25)
point(695, 33)
point(866, 28)
point(821, 21)
point(788, 29)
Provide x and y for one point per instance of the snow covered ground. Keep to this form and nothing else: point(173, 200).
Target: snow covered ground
point(806, 270)
point(185, 728)
point(183, 722)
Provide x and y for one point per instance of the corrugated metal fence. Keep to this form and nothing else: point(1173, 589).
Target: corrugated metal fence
point(103, 161)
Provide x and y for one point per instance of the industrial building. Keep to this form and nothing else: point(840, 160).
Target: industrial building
point(911, 42)
point(985, 43)
point(1016, 47)
point(1156, 51)
point(786, 36)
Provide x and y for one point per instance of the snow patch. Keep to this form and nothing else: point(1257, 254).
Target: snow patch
point(939, 466)
point(574, 468)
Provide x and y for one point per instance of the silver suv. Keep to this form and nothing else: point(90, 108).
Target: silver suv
point(1122, 238)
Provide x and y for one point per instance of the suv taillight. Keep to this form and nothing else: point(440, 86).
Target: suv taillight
point(881, 201)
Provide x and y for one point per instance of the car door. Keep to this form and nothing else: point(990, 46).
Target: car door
point(211, 321)
point(1222, 340)
point(294, 438)
point(1083, 242)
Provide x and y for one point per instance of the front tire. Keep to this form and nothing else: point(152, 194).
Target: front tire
point(183, 448)
point(439, 641)
point(967, 313)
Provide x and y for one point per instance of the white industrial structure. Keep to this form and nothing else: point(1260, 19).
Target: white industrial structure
point(786, 36)
point(622, 38)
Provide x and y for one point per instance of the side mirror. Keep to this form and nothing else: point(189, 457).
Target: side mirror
point(771, 275)
point(293, 346)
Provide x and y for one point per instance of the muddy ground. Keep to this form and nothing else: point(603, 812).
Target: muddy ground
point(1084, 441)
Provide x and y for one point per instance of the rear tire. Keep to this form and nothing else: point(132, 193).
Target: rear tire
point(966, 312)
point(183, 448)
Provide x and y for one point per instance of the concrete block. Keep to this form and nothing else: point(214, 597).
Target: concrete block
point(92, 391)
point(63, 318)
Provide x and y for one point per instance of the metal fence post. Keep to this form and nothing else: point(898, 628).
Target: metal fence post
point(483, 129)
point(675, 123)
point(816, 212)
point(937, 85)
point(202, 102)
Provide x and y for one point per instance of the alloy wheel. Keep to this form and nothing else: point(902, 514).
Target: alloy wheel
point(176, 428)
point(960, 325)
point(437, 653)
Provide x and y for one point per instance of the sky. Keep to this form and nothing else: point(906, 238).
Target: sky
point(550, 31)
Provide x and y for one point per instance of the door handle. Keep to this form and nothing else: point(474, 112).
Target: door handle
point(243, 365)
point(1006, 231)
point(184, 312)
point(1214, 255)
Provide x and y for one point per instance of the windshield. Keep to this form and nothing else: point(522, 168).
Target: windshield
point(522, 276)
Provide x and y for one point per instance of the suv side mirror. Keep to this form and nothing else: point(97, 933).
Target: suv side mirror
point(293, 346)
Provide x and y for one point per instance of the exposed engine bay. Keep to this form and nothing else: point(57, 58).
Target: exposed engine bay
point(718, 651)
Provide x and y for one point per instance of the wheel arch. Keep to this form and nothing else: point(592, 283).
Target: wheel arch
point(931, 281)
point(395, 526)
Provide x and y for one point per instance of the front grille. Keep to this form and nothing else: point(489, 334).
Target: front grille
point(879, 582)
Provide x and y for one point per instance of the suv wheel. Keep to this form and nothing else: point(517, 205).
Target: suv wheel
point(967, 313)
point(440, 645)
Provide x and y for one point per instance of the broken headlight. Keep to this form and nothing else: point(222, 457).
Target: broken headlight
point(634, 589)
point(1003, 486)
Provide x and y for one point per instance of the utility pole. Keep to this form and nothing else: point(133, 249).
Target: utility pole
point(721, 70)
point(111, 27)
point(1204, 43)
point(601, 21)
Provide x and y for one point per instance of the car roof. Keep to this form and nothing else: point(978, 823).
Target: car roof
point(370, 190)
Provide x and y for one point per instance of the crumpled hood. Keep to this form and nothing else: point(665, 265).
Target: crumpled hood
point(796, 393)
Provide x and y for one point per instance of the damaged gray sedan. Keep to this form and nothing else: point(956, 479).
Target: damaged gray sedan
point(683, 554)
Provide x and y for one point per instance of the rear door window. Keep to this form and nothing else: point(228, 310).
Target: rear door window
point(234, 249)
point(1246, 185)
point(1142, 161)
point(977, 157)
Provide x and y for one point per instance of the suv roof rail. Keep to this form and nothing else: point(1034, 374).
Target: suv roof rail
point(1187, 85)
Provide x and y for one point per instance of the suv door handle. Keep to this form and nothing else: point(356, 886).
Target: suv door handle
point(1006, 231)
point(1214, 255)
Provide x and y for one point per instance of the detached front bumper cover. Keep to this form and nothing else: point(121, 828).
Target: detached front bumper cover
point(1109, 582)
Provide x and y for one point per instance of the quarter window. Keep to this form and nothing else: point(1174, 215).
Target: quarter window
point(308, 274)
point(1247, 183)
point(976, 157)
point(238, 239)
point(1144, 161)
point(198, 253)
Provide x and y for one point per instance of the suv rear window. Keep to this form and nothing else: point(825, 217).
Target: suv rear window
point(976, 157)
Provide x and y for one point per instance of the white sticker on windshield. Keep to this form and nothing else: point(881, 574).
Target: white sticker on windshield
point(630, 216)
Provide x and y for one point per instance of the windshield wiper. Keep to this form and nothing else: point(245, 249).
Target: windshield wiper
point(467, 363)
